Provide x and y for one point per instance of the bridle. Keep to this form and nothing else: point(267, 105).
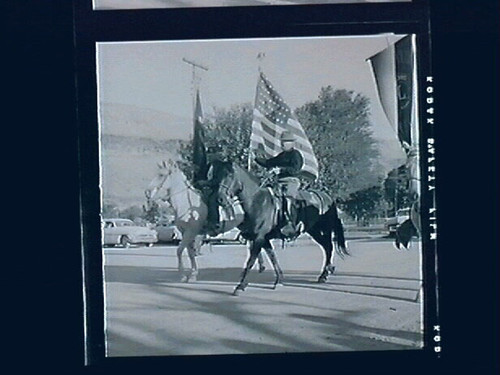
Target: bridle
point(229, 190)
point(168, 195)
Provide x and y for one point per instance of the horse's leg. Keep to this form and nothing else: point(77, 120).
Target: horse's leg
point(192, 257)
point(274, 260)
point(255, 248)
point(180, 251)
point(260, 259)
point(197, 243)
point(324, 239)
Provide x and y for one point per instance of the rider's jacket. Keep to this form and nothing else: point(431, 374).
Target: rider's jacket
point(290, 163)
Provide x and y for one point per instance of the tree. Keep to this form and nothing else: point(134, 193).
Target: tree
point(230, 129)
point(365, 204)
point(338, 127)
point(133, 212)
point(337, 124)
point(110, 210)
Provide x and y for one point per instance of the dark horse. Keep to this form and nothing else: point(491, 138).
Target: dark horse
point(261, 223)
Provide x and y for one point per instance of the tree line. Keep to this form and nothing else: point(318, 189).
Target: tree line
point(338, 126)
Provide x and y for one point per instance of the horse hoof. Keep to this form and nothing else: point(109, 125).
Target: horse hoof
point(236, 292)
point(322, 279)
point(262, 269)
point(185, 279)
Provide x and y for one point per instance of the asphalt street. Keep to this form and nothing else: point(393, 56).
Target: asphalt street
point(372, 302)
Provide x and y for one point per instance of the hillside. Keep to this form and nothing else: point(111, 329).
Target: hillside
point(134, 140)
point(132, 121)
point(128, 165)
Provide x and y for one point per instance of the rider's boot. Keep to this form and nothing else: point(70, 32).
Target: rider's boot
point(288, 230)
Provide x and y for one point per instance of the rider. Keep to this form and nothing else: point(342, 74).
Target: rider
point(207, 188)
point(290, 162)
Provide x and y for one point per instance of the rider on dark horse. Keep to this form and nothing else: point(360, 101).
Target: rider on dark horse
point(290, 162)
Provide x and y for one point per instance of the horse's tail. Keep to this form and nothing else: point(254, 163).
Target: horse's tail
point(338, 231)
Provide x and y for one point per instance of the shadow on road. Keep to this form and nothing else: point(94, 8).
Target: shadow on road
point(403, 289)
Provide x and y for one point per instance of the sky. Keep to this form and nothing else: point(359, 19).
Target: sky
point(153, 75)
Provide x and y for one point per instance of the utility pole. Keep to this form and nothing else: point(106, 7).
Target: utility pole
point(194, 80)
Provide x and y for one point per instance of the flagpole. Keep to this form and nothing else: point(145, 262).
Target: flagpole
point(260, 58)
point(194, 81)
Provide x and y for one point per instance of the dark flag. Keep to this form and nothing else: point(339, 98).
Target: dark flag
point(199, 152)
point(404, 76)
point(393, 70)
point(271, 117)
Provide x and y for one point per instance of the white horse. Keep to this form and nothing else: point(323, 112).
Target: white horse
point(172, 186)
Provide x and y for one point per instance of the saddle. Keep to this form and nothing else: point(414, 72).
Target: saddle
point(315, 198)
point(318, 199)
point(305, 197)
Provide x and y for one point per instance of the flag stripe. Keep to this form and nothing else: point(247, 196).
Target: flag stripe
point(273, 148)
point(271, 117)
point(274, 145)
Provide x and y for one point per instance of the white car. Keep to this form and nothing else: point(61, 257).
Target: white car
point(392, 223)
point(125, 232)
point(232, 235)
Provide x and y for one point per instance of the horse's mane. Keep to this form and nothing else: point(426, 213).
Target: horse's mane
point(249, 174)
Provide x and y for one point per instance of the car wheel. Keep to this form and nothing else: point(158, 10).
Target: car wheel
point(125, 241)
point(241, 240)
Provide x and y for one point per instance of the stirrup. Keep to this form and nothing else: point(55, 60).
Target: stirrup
point(288, 230)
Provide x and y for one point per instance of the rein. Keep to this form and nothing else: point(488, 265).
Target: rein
point(187, 187)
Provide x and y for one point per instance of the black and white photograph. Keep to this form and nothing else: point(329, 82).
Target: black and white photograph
point(107, 107)
point(161, 4)
point(260, 195)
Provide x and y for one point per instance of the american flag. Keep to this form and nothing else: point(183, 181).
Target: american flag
point(271, 117)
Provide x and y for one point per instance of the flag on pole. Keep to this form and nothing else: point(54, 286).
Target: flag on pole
point(271, 117)
point(395, 74)
point(199, 151)
point(393, 70)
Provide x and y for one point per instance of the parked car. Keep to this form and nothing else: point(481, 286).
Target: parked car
point(392, 223)
point(233, 235)
point(168, 232)
point(125, 232)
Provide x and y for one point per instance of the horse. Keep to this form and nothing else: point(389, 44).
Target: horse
point(190, 213)
point(412, 226)
point(260, 223)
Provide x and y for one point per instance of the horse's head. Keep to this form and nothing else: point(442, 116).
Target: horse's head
point(229, 186)
point(159, 187)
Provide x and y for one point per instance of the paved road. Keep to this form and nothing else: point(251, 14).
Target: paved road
point(136, 4)
point(372, 303)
